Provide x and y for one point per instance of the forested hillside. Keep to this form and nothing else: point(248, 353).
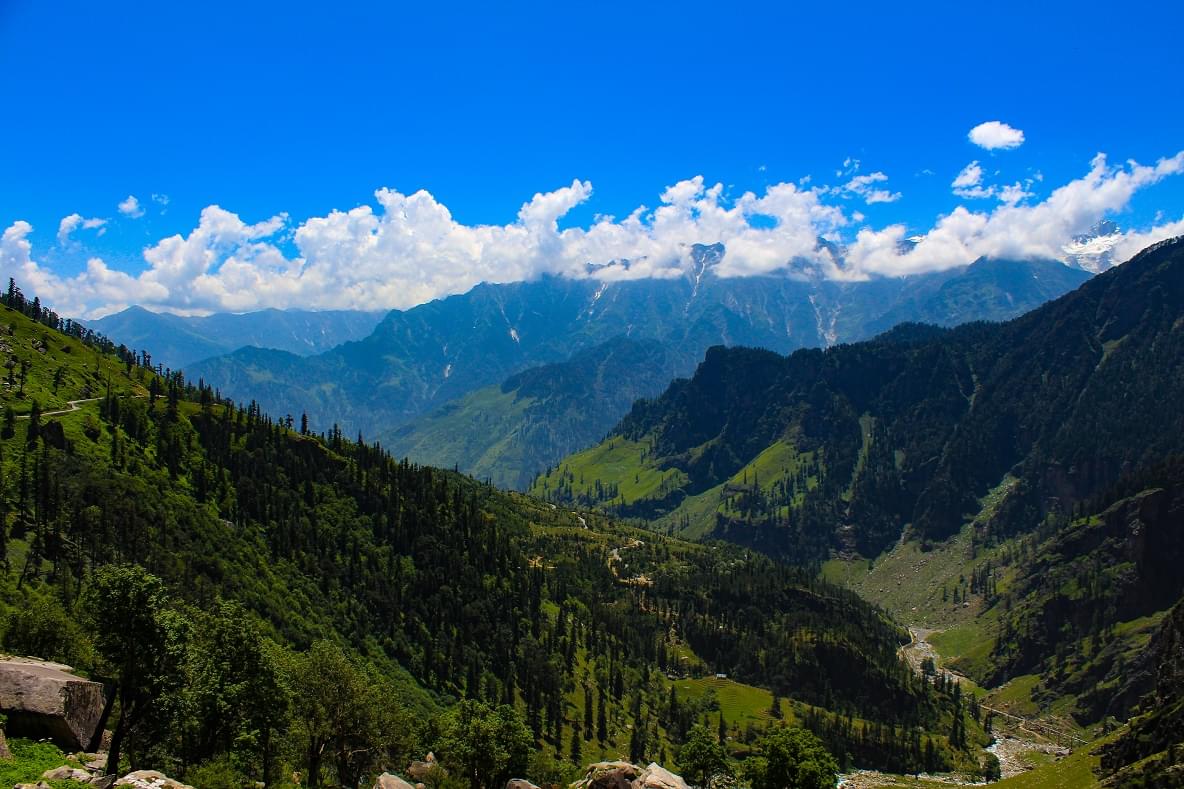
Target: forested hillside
point(152, 526)
point(847, 448)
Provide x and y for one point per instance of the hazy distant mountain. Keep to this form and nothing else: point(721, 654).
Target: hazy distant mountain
point(419, 359)
point(508, 432)
point(177, 341)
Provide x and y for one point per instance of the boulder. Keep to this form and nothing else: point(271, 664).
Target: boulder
point(150, 779)
point(623, 775)
point(419, 771)
point(65, 773)
point(103, 781)
point(609, 775)
point(658, 777)
point(391, 781)
point(44, 700)
point(520, 783)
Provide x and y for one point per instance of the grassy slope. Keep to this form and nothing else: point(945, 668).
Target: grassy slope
point(84, 373)
point(627, 465)
point(616, 461)
point(480, 425)
point(30, 760)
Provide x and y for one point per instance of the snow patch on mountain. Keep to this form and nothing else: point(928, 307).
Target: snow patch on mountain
point(1093, 251)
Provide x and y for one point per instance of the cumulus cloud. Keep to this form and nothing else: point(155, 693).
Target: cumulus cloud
point(1011, 230)
point(131, 207)
point(1134, 241)
point(74, 221)
point(994, 135)
point(406, 249)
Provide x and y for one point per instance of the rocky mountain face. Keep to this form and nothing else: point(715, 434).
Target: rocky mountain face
point(176, 341)
point(1093, 250)
point(1151, 752)
point(419, 359)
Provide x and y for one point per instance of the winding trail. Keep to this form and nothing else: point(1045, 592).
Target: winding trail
point(76, 405)
point(72, 406)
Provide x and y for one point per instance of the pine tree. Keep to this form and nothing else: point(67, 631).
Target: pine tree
point(601, 719)
point(576, 757)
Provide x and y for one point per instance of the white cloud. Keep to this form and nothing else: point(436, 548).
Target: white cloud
point(1134, 241)
point(1014, 193)
point(74, 221)
point(994, 135)
point(863, 186)
point(1011, 231)
point(160, 199)
point(407, 248)
point(131, 207)
point(971, 175)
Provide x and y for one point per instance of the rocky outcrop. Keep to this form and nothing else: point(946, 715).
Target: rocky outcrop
point(421, 771)
point(45, 700)
point(520, 783)
point(391, 781)
point(658, 777)
point(150, 779)
point(623, 775)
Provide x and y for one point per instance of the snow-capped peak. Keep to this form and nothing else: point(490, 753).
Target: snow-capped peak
point(1093, 250)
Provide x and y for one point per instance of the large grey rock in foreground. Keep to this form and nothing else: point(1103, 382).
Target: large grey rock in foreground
point(44, 700)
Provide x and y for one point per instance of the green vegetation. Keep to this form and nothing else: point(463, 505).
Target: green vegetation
point(271, 600)
point(622, 475)
point(790, 756)
point(30, 760)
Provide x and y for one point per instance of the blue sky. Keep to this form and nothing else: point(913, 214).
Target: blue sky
point(300, 109)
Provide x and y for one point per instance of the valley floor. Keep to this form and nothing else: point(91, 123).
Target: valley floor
point(916, 586)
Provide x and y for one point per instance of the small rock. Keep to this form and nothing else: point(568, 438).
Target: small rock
point(103, 781)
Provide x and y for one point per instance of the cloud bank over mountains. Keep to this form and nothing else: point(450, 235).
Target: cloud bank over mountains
point(408, 249)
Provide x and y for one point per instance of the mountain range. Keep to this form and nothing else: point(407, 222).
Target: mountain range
point(457, 354)
point(1021, 484)
point(845, 447)
point(177, 341)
